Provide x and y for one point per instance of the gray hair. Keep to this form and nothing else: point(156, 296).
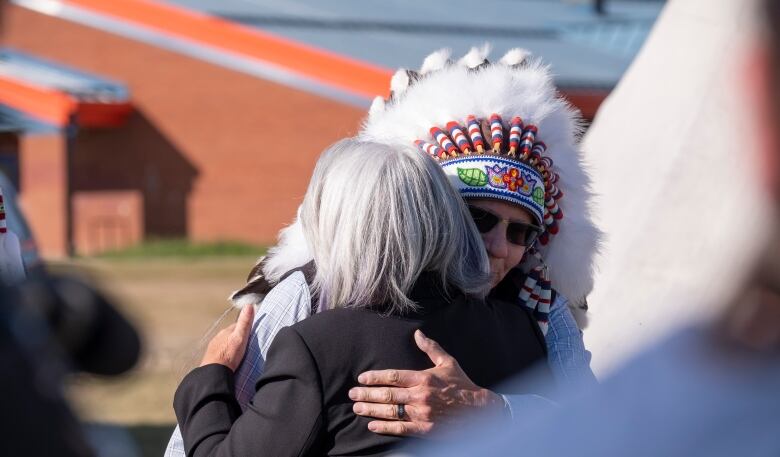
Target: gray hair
point(376, 217)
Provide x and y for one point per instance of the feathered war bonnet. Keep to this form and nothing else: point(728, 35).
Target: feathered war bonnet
point(441, 104)
point(501, 130)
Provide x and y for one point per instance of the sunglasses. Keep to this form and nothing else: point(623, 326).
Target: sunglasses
point(518, 233)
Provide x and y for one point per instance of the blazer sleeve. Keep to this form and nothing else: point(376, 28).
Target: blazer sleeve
point(285, 417)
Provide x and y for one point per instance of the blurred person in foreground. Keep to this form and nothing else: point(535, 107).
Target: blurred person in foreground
point(50, 327)
point(712, 389)
point(384, 274)
point(495, 128)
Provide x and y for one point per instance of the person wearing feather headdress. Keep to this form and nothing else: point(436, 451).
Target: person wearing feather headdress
point(508, 142)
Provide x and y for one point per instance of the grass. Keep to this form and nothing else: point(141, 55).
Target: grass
point(173, 291)
point(172, 300)
point(184, 248)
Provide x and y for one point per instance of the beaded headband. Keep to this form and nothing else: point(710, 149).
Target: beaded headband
point(512, 168)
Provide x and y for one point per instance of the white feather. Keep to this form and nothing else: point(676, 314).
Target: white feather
point(400, 82)
point(290, 252)
point(475, 56)
point(436, 61)
point(515, 56)
point(376, 106)
point(245, 299)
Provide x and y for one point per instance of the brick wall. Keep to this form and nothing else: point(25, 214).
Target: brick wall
point(44, 191)
point(106, 220)
point(215, 154)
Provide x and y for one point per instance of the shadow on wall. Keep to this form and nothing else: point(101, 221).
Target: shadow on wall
point(128, 183)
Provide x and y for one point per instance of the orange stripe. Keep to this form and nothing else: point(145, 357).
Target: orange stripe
point(48, 105)
point(340, 71)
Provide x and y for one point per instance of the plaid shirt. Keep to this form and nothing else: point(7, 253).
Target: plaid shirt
point(290, 302)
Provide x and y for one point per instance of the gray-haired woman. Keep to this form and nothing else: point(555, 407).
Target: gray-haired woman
point(373, 217)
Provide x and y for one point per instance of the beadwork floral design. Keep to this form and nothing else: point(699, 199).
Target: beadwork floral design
point(529, 182)
point(512, 179)
point(496, 176)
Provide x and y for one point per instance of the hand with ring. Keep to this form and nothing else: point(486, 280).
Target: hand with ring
point(407, 402)
point(400, 411)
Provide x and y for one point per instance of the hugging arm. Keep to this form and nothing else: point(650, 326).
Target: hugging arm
point(432, 402)
point(287, 303)
point(283, 419)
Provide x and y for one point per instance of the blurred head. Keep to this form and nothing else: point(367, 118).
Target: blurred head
point(773, 16)
point(764, 78)
point(375, 217)
point(754, 319)
point(504, 228)
point(765, 88)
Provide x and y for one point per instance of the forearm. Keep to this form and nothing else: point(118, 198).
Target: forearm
point(206, 409)
point(245, 378)
point(212, 423)
point(568, 359)
point(287, 303)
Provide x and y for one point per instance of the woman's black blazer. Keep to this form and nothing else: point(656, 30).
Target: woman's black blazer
point(301, 407)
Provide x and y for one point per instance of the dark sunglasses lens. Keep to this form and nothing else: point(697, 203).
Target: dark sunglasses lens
point(521, 234)
point(484, 220)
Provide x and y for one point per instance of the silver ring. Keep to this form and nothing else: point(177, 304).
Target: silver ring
point(400, 411)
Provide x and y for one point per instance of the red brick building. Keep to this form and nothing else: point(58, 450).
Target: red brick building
point(215, 138)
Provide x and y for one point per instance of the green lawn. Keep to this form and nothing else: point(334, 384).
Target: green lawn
point(173, 299)
point(185, 248)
